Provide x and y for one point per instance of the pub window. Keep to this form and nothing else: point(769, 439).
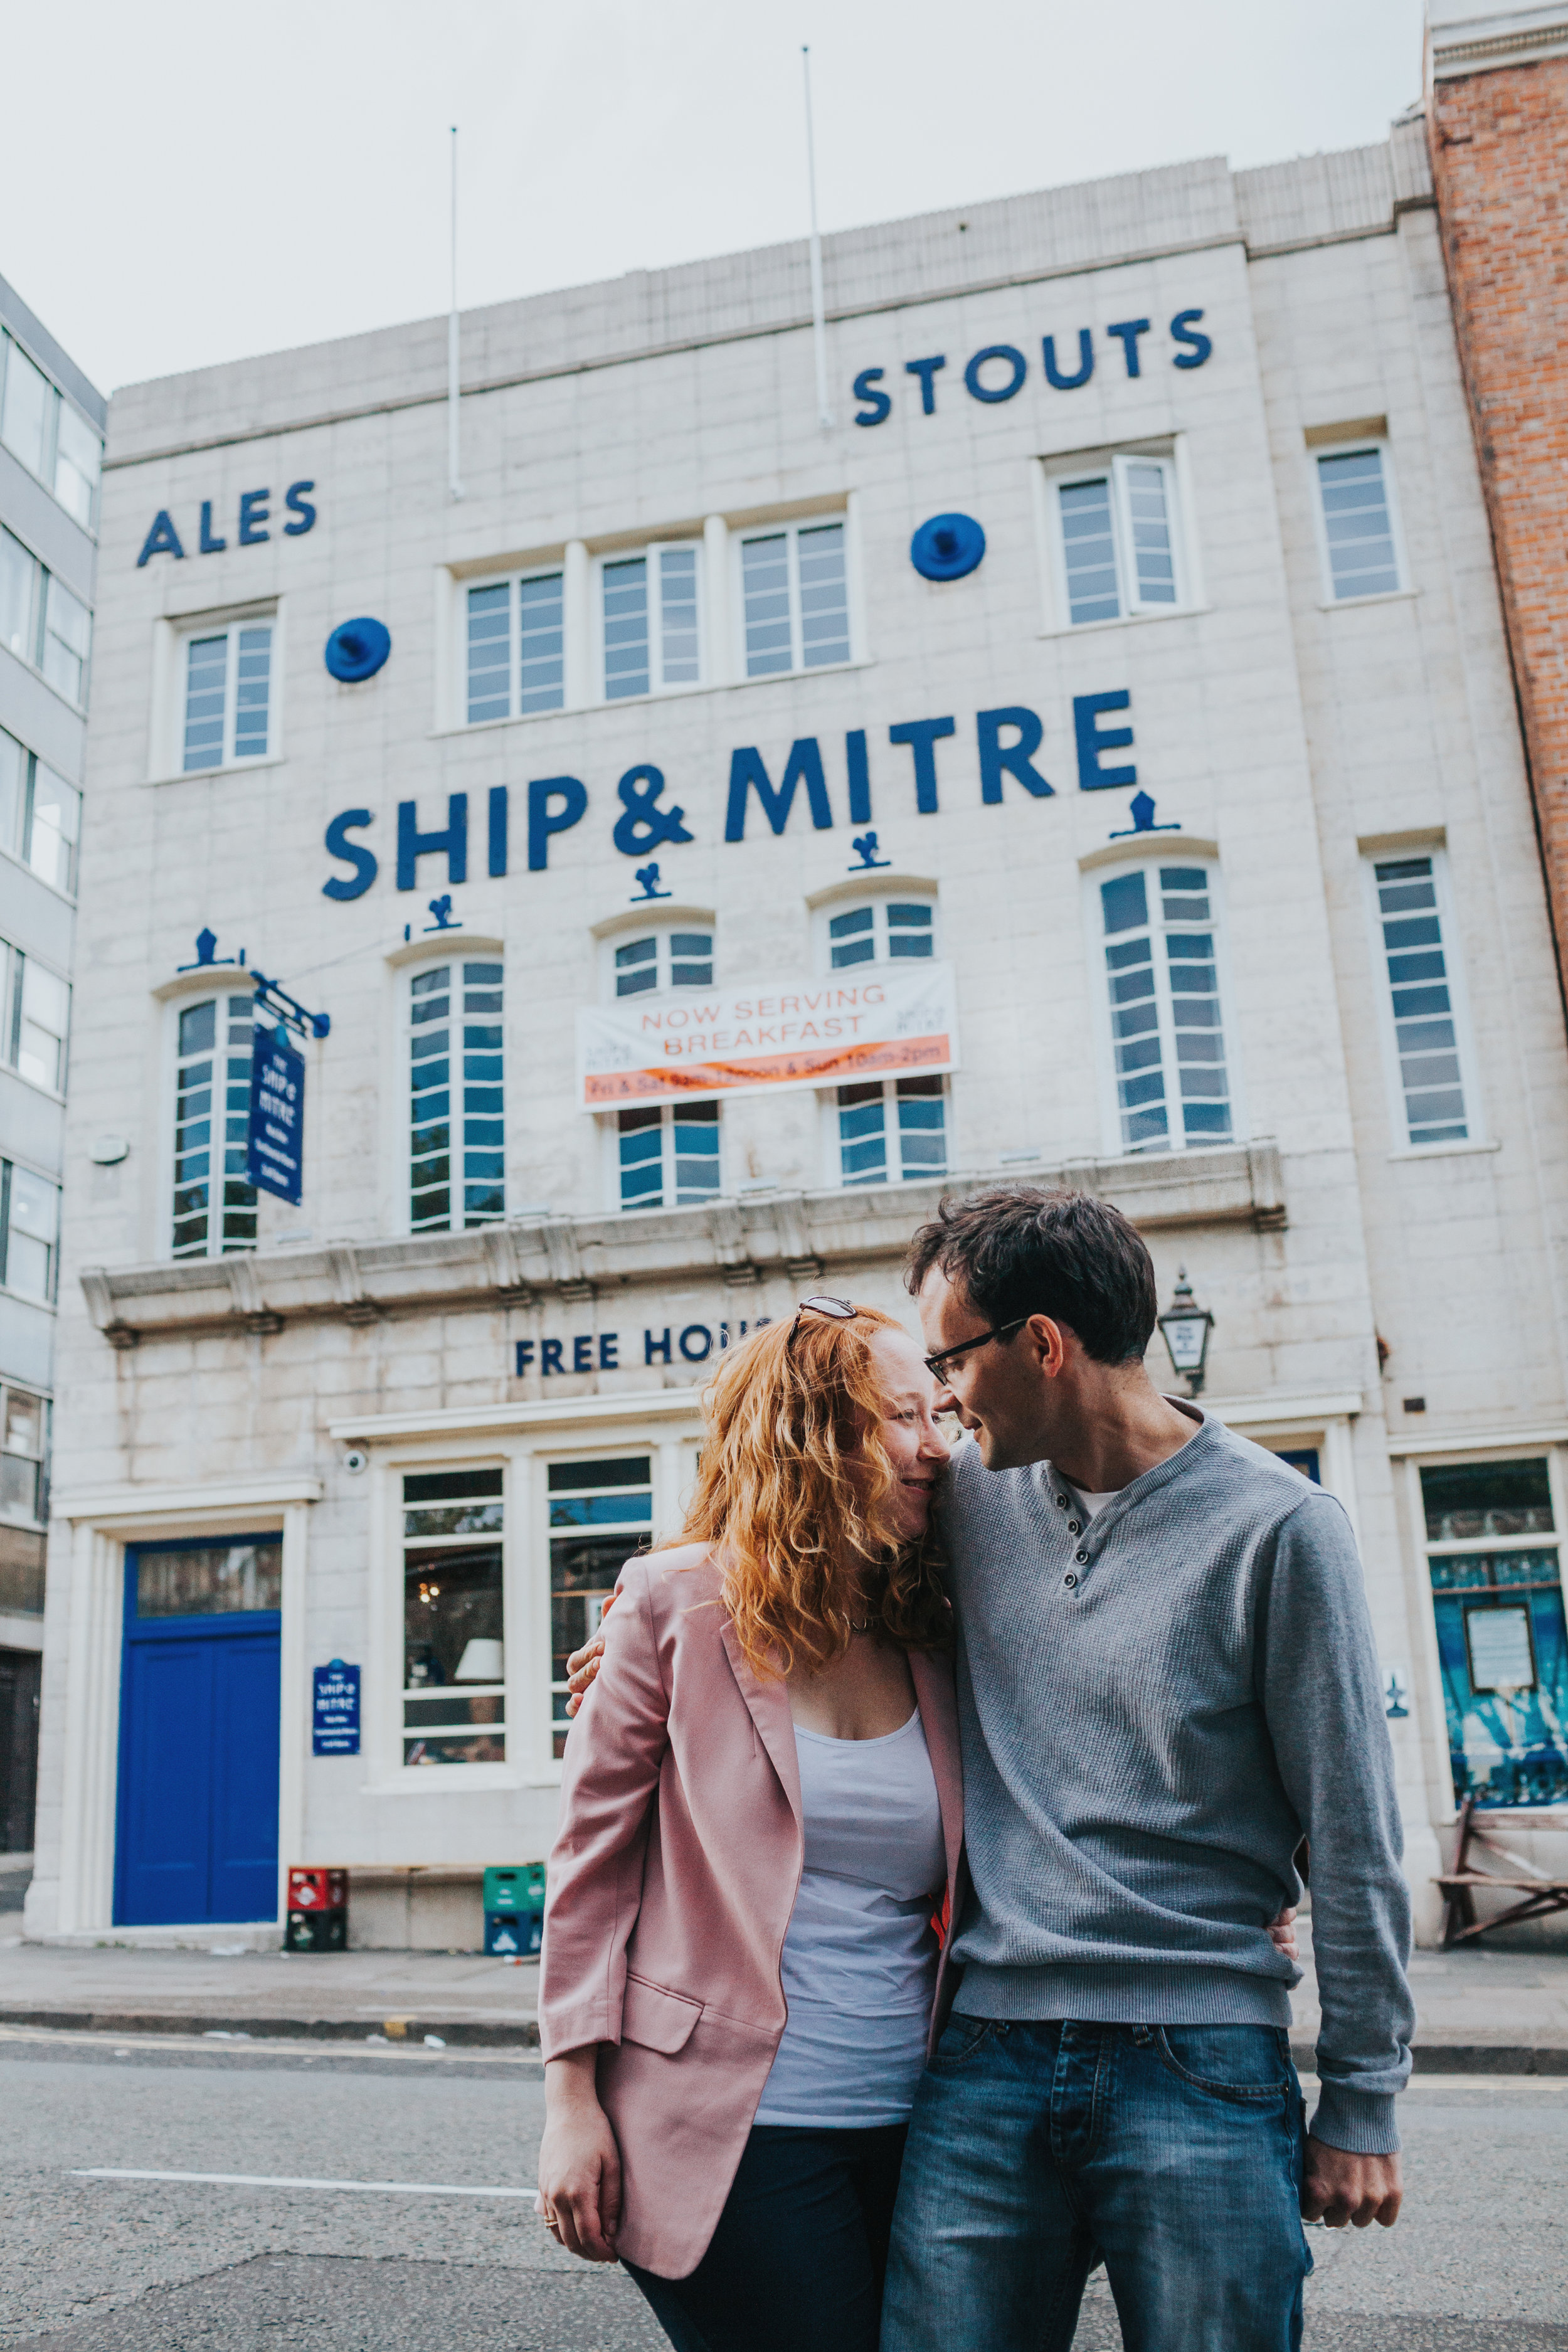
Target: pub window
point(1428, 1055)
point(650, 620)
point(1118, 539)
point(29, 1232)
point(1357, 506)
point(600, 1513)
point(515, 646)
point(1497, 1596)
point(891, 1131)
point(794, 598)
point(228, 696)
point(1158, 938)
point(456, 1124)
point(884, 930)
point(661, 960)
point(453, 1675)
point(667, 1155)
point(214, 1202)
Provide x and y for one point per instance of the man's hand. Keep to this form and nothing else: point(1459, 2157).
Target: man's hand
point(584, 1665)
point(1338, 2187)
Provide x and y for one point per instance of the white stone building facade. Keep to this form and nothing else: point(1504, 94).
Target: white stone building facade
point(1181, 848)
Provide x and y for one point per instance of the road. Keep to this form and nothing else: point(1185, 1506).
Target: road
point(104, 2265)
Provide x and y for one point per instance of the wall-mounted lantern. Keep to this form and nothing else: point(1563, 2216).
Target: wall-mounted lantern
point(1186, 1327)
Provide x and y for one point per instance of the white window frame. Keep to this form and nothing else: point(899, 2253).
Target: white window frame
point(1356, 449)
point(1478, 1137)
point(832, 1140)
point(228, 626)
point(1057, 475)
point(219, 990)
point(610, 1126)
point(651, 555)
point(455, 957)
point(474, 1464)
point(879, 901)
point(512, 581)
point(662, 933)
point(790, 530)
point(1148, 863)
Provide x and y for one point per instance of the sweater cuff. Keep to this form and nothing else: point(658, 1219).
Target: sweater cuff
point(1361, 2122)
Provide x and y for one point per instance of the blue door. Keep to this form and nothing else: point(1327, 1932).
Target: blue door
point(199, 1694)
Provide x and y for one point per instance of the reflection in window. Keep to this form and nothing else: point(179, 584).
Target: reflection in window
point(600, 1513)
point(208, 1580)
point(42, 1021)
point(1497, 1597)
point(214, 1202)
point(455, 1083)
point(1118, 541)
point(516, 647)
point(1172, 1088)
point(228, 688)
point(794, 592)
point(454, 1696)
point(668, 960)
point(892, 1130)
point(22, 1436)
point(668, 1155)
point(887, 930)
point(651, 636)
point(29, 1232)
point(1420, 994)
point(53, 827)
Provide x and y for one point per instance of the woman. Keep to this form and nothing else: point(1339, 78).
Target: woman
point(760, 1810)
point(760, 1814)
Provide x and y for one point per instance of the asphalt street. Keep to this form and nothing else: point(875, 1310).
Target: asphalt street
point(91, 2262)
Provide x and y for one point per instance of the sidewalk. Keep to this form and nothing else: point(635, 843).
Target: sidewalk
point(1480, 2011)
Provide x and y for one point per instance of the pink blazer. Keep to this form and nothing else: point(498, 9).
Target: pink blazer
point(670, 1887)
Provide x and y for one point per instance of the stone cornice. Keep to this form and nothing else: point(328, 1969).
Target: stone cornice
point(735, 1241)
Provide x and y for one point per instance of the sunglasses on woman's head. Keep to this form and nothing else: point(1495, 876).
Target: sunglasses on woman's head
point(836, 1310)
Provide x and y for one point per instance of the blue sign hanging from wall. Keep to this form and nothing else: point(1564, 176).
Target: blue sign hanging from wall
point(276, 1137)
point(335, 1712)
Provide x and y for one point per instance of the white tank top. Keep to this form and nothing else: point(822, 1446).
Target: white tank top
point(859, 1959)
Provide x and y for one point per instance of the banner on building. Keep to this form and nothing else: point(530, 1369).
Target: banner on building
point(276, 1137)
point(882, 1020)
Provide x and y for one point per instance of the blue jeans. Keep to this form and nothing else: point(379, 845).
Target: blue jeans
point(1173, 2153)
point(795, 2263)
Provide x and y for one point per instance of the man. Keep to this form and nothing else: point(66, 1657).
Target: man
point(1166, 1678)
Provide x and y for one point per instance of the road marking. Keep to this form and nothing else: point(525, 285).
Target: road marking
point(307, 2047)
point(287, 2181)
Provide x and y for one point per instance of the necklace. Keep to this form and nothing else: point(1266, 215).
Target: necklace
point(858, 1626)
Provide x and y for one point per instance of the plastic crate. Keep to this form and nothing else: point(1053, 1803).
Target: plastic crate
point(512, 1935)
point(316, 1931)
point(514, 1887)
point(317, 1890)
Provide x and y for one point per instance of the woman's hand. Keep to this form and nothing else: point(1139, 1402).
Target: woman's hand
point(579, 2163)
point(584, 1663)
point(1282, 1933)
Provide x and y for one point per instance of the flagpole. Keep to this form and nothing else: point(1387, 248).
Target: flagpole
point(454, 479)
point(818, 312)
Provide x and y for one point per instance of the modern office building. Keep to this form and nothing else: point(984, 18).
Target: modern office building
point(1092, 758)
point(51, 439)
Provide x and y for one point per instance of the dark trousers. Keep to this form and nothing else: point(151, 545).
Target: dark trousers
point(796, 2261)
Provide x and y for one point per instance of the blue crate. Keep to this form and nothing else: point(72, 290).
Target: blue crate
point(512, 1935)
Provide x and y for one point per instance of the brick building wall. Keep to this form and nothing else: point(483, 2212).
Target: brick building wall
point(1499, 158)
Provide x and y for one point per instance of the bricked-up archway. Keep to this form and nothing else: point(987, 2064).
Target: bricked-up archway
point(1498, 126)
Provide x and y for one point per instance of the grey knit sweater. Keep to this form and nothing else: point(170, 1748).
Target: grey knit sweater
point(1156, 1707)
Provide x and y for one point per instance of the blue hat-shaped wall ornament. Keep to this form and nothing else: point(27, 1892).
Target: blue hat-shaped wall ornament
point(356, 649)
point(948, 547)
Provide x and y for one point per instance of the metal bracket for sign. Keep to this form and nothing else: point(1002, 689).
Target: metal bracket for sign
point(1142, 810)
point(207, 957)
point(648, 877)
point(865, 845)
point(446, 920)
point(286, 1010)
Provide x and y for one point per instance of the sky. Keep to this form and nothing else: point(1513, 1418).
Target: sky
point(182, 183)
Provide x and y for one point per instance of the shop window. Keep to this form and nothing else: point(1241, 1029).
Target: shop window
point(29, 1232)
point(1117, 539)
point(663, 960)
point(516, 647)
point(23, 1430)
point(650, 620)
point(884, 930)
point(42, 623)
point(891, 1131)
point(1497, 1596)
point(39, 427)
point(794, 597)
point(454, 1677)
point(600, 1513)
point(228, 696)
point(1428, 1055)
point(1161, 943)
point(1357, 509)
point(214, 1203)
point(40, 815)
point(668, 1155)
point(457, 1134)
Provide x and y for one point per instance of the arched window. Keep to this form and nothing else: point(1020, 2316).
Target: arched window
point(660, 961)
point(457, 1106)
point(1158, 935)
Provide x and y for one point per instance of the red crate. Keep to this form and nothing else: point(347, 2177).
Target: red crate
point(317, 1890)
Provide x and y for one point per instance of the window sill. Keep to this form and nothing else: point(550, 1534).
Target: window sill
point(1384, 596)
point(641, 701)
point(227, 768)
point(1125, 621)
point(1444, 1150)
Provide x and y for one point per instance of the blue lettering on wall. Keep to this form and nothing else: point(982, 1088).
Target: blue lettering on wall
point(543, 820)
point(496, 859)
point(1055, 376)
point(602, 1353)
point(923, 736)
point(253, 513)
point(1129, 332)
point(748, 770)
point(878, 405)
point(997, 759)
point(452, 839)
point(643, 826)
point(859, 768)
point(300, 505)
point(353, 853)
point(210, 545)
point(1094, 741)
point(162, 539)
point(926, 370)
point(1017, 368)
point(1181, 333)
